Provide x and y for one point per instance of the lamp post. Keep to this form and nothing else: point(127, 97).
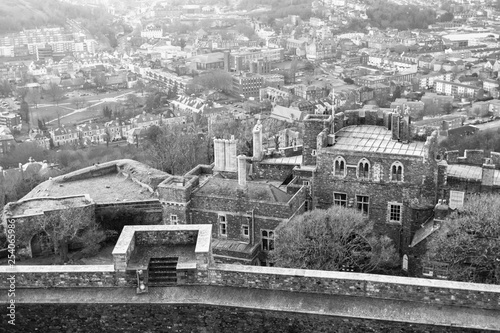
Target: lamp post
point(141, 282)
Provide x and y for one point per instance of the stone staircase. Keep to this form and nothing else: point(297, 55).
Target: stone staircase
point(162, 271)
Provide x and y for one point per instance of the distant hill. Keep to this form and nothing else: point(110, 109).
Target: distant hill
point(16, 15)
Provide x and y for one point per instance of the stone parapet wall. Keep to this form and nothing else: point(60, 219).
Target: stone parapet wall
point(357, 284)
point(435, 292)
point(166, 237)
point(74, 276)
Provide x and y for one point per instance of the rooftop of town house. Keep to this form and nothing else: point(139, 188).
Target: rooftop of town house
point(36, 206)
point(374, 139)
point(470, 172)
point(114, 181)
point(229, 188)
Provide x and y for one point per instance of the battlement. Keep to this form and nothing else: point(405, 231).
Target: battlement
point(473, 157)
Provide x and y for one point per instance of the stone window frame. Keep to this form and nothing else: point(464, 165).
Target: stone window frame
point(340, 201)
point(341, 161)
point(222, 222)
point(245, 228)
point(174, 219)
point(361, 203)
point(361, 166)
point(394, 176)
point(267, 239)
point(390, 211)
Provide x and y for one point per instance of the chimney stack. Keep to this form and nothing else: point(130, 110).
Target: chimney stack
point(257, 141)
point(242, 170)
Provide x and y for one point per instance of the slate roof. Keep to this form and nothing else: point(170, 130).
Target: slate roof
point(255, 191)
point(470, 172)
point(374, 139)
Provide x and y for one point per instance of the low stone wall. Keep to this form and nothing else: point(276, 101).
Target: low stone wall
point(166, 237)
point(297, 280)
point(68, 276)
point(357, 284)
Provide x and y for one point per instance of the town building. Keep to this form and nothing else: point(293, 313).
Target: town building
point(65, 136)
point(247, 85)
point(10, 120)
point(455, 89)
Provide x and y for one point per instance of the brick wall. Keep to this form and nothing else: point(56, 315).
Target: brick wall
point(279, 172)
point(313, 125)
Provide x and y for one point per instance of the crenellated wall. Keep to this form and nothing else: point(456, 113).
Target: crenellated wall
point(473, 157)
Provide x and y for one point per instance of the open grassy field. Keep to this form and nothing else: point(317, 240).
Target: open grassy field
point(48, 113)
point(95, 104)
point(91, 113)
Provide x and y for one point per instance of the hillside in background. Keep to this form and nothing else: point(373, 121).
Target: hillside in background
point(17, 15)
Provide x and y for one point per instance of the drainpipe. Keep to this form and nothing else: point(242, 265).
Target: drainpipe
point(252, 234)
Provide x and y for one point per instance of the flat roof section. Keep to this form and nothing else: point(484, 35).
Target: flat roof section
point(103, 189)
point(374, 139)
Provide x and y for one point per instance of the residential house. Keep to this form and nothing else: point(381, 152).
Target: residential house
point(115, 129)
point(7, 142)
point(455, 89)
point(64, 136)
point(145, 120)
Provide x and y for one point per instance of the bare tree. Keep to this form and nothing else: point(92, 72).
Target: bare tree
point(34, 97)
point(174, 150)
point(132, 100)
point(5, 88)
point(217, 79)
point(67, 225)
point(55, 92)
point(468, 242)
point(334, 239)
point(140, 85)
point(22, 92)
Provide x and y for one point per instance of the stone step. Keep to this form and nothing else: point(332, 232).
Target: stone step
point(161, 273)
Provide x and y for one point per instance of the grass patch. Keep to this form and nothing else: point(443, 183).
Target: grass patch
point(47, 113)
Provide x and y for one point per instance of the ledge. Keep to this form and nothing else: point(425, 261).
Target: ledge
point(374, 278)
point(271, 300)
point(58, 269)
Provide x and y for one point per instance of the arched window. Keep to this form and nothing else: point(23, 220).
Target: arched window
point(339, 167)
point(397, 172)
point(364, 169)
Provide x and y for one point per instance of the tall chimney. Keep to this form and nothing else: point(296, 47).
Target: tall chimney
point(257, 141)
point(242, 170)
point(219, 154)
point(230, 151)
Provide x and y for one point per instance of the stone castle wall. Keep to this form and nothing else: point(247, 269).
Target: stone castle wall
point(449, 293)
point(196, 318)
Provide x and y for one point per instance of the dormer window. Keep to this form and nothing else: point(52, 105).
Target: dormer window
point(397, 172)
point(364, 169)
point(339, 167)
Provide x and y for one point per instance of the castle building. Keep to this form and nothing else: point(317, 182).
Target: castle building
point(367, 159)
